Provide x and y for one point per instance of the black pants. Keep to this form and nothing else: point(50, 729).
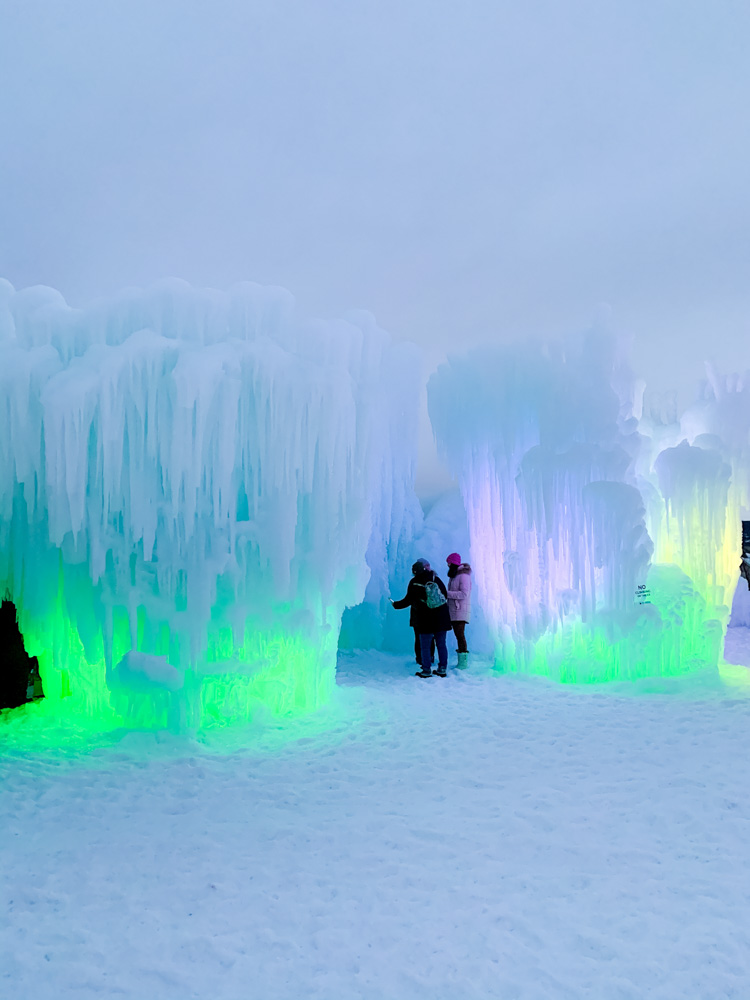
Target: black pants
point(418, 650)
point(460, 629)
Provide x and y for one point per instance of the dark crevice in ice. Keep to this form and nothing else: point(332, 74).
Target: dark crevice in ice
point(19, 673)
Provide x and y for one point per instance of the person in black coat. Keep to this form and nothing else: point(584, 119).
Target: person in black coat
point(430, 624)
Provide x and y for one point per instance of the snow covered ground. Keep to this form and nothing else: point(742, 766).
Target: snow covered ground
point(476, 837)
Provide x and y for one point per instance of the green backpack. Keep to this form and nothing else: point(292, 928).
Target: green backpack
point(433, 595)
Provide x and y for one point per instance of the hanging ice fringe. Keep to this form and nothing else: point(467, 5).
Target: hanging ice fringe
point(190, 483)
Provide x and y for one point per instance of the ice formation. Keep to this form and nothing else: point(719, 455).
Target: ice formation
point(605, 543)
point(191, 486)
point(198, 488)
point(703, 472)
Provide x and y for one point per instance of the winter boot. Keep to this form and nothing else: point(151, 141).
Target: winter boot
point(463, 661)
point(424, 673)
point(441, 672)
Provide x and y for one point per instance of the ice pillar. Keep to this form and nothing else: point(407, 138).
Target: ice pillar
point(190, 482)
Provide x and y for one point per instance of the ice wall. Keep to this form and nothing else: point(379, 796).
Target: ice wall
point(190, 484)
point(707, 470)
point(703, 470)
point(556, 477)
point(398, 518)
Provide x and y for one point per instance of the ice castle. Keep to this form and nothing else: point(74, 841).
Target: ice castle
point(195, 485)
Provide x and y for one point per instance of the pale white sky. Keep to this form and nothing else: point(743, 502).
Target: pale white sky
point(466, 170)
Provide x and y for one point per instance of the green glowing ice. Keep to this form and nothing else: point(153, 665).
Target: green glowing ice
point(270, 670)
point(675, 634)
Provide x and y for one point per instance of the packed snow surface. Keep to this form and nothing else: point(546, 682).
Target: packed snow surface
point(479, 837)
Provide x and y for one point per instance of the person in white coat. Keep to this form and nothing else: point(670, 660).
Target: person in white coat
point(459, 603)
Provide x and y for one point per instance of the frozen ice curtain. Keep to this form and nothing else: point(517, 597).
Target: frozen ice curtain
point(605, 541)
point(191, 485)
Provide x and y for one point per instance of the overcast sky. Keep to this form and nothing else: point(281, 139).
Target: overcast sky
point(472, 170)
